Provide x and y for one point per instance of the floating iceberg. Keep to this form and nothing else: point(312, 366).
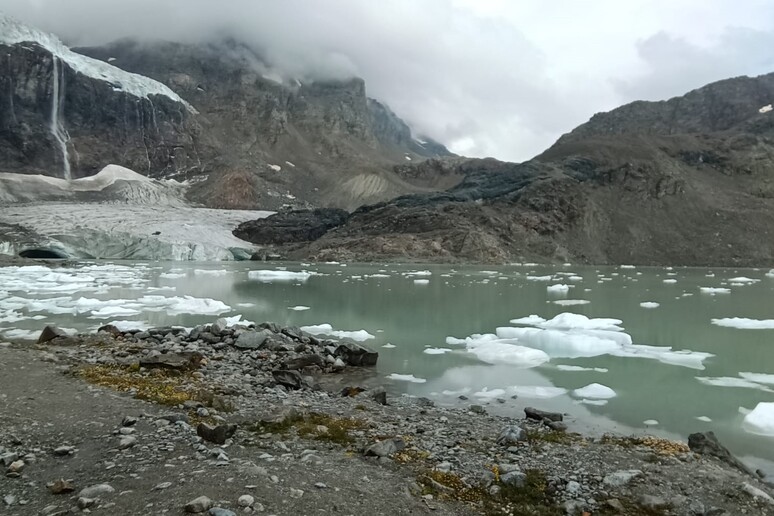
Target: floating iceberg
point(436, 351)
point(421, 281)
point(559, 288)
point(406, 378)
point(714, 290)
point(496, 351)
point(730, 381)
point(269, 276)
point(327, 329)
point(649, 304)
point(571, 302)
point(761, 419)
point(536, 391)
point(744, 323)
point(595, 391)
point(298, 308)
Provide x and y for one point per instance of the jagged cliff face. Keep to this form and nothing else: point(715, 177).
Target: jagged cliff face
point(67, 116)
point(210, 113)
point(689, 181)
point(318, 143)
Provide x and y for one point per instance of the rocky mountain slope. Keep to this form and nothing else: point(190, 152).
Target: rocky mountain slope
point(689, 181)
point(211, 113)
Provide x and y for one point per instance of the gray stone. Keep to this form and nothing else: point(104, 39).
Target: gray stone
point(303, 361)
point(246, 501)
point(96, 491)
point(622, 477)
point(379, 395)
point(758, 494)
point(291, 379)
point(85, 503)
point(511, 434)
point(572, 487)
point(652, 502)
point(706, 443)
point(127, 441)
point(540, 415)
point(514, 478)
point(356, 355)
point(220, 511)
point(215, 434)
point(218, 326)
point(477, 409)
point(49, 333)
point(386, 447)
point(252, 339)
point(198, 505)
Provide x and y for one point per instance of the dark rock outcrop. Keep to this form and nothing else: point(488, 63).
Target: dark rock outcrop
point(706, 443)
point(291, 226)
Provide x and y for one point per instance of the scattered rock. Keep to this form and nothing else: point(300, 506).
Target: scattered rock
point(50, 333)
point(127, 441)
point(181, 361)
point(512, 434)
point(85, 503)
point(220, 511)
point(706, 443)
point(63, 451)
point(61, 486)
point(514, 479)
point(757, 493)
point(386, 447)
point(291, 379)
point(215, 434)
point(540, 415)
point(621, 478)
point(246, 501)
point(252, 339)
point(356, 355)
point(96, 491)
point(198, 505)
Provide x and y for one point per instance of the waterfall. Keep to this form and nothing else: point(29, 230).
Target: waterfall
point(57, 124)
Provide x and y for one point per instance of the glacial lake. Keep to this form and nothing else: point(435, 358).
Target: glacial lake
point(593, 342)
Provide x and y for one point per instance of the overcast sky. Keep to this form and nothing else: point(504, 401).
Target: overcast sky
point(502, 78)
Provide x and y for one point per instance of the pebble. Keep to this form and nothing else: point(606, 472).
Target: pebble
point(246, 501)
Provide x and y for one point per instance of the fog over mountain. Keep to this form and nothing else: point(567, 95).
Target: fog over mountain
point(487, 78)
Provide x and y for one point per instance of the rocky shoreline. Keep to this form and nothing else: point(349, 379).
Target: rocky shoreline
point(240, 419)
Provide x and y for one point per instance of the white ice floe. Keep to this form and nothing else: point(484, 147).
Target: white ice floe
point(650, 422)
point(530, 320)
point(743, 279)
point(269, 276)
point(670, 281)
point(730, 381)
point(587, 401)
point(485, 393)
point(714, 290)
point(421, 281)
point(704, 418)
point(764, 378)
point(436, 351)
point(20, 334)
point(418, 273)
point(571, 321)
point(743, 323)
point(770, 274)
point(540, 278)
point(128, 325)
point(536, 391)
point(389, 346)
point(595, 391)
point(627, 267)
point(172, 275)
point(571, 302)
point(563, 367)
point(761, 419)
point(575, 278)
point(490, 349)
point(298, 308)
point(649, 304)
point(327, 329)
point(406, 378)
point(211, 272)
point(464, 390)
point(566, 344)
point(559, 288)
point(665, 355)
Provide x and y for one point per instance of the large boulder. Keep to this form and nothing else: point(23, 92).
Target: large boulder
point(706, 443)
point(356, 355)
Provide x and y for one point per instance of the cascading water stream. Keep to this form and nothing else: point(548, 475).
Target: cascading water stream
point(57, 125)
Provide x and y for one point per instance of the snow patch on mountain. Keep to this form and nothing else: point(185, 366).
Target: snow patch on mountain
point(13, 32)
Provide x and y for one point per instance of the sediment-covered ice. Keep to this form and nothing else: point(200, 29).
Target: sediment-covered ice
point(269, 276)
point(761, 419)
point(327, 329)
point(595, 391)
point(406, 378)
point(743, 323)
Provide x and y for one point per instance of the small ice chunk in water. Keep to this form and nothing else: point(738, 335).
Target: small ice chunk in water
point(536, 391)
point(389, 346)
point(595, 391)
point(172, 275)
point(670, 281)
point(435, 351)
point(421, 281)
point(761, 419)
point(730, 381)
point(559, 288)
point(563, 367)
point(298, 308)
point(650, 422)
point(714, 290)
point(770, 274)
point(627, 267)
point(743, 323)
point(405, 378)
point(704, 418)
point(587, 401)
point(210, 272)
point(540, 278)
point(268, 276)
point(327, 329)
point(743, 279)
point(487, 394)
point(758, 377)
point(571, 302)
point(530, 320)
point(649, 304)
